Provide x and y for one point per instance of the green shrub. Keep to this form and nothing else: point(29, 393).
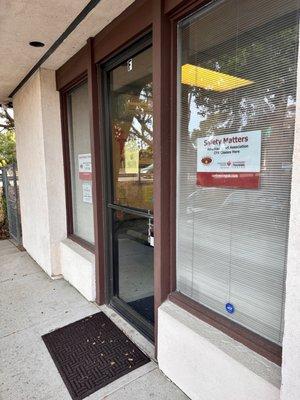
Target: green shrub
point(3, 216)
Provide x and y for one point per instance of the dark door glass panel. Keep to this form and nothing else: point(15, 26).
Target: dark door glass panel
point(135, 263)
point(132, 131)
point(131, 183)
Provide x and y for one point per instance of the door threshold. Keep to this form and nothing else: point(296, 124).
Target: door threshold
point(133, 317)
point(133, 334)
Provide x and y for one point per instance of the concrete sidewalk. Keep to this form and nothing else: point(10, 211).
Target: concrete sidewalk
point(32, 304)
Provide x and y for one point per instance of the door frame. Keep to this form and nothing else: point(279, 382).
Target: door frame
point(111, 267)
point(161, 16)
point(134, 22)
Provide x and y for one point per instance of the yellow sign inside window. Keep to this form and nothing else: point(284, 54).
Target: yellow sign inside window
point(131, 159)
point(210, 80)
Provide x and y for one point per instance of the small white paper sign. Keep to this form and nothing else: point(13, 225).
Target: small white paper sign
point(85, 166)
point(87, 193)
point(151, 241)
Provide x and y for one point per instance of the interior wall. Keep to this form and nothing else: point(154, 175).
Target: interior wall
point(40, 163)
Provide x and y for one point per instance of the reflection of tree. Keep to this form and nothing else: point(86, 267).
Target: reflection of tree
point(134, 119)
point(133, 129)
point(268, 59)
point(142, 124)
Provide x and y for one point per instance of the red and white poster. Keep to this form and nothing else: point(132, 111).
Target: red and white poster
point(231, 161)
point(85, 167)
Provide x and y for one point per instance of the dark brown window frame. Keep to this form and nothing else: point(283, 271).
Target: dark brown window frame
point(164, 16)
point(128, 27)
point(81, 79)
point(255, 342)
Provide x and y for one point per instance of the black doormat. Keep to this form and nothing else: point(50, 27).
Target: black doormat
point(144, 307)
point(91, 353)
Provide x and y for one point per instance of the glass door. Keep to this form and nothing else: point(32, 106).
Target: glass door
point(129, 135)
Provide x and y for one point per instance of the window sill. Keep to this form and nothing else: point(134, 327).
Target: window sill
point(83, 243)
point(78, 268)
point(79, 250)
point(260, 345)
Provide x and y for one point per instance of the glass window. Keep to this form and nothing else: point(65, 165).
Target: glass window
point(237, 95)
point(132, 132)
point(131, 179)
point(80, 163)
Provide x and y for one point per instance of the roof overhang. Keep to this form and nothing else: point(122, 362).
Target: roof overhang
point(62, 25)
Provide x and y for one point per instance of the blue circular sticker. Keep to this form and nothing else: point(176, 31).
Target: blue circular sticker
point(229, 308)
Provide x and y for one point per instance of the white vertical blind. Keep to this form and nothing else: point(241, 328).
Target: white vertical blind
point(232, 242)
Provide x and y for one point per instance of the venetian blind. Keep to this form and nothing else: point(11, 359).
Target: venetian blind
point(237, 76)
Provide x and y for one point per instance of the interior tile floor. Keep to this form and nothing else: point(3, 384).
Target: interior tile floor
point(32, 304)
point(136, 272)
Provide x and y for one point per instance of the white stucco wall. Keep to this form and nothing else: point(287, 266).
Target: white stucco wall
point(54, 166)
point(40, 164)
point(32, 172)
point(207, 364)
point(78, 268)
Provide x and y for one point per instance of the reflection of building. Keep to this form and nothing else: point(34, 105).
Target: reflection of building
point(237, 71)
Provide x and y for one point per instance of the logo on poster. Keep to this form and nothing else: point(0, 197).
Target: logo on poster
point(206, 160)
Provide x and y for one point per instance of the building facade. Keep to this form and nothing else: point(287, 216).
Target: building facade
point(159, 173)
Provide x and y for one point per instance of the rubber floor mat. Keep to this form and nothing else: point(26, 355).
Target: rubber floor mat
point(91, 353)
point(144, 307)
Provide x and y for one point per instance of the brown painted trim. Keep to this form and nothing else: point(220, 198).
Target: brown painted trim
point(72, 69)
point(253, 341)
point(161, 152)
point(179, 8)
point(173, 155)
point(96, 180)
point(83, 243)
point(131, 24)
point(81, 78)
point(66, 161)
point(170, 5)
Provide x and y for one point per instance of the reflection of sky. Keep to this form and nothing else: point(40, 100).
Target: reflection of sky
point(195, 117)
point(249, 109)
point(142, 145)
point(135, 124)
point(2, 120)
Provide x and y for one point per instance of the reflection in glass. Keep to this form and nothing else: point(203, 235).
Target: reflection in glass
point(132, 132)
point(131, 139)
point(80, 146)
point(135, 257)
point(237, 74)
